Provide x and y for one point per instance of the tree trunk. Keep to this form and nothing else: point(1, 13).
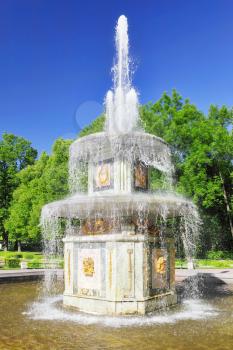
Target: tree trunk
point(19, 246)
point(5, 240)
point(227, 203)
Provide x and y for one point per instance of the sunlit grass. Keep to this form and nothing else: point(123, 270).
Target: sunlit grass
point(206, 263)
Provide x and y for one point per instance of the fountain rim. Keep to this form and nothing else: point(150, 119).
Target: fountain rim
point(78, 205)
point(82, 148)
point(104, 134)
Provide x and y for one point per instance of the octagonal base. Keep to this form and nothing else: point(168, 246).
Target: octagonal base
point(119, 274)
point(126, 307)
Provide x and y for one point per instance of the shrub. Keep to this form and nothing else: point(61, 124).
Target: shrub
point(61, 264)
point(7, 254)
point(219, 254)
point(18, 256)
point(35, 264)
point(12, 262)
point(28, 255)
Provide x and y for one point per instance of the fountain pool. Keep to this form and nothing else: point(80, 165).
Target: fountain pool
point(194, 325)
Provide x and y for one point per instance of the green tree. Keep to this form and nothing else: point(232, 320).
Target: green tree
point(24, 212)
point(207, 171)
point(203, 153)
point(55, 175)
point(41, 183)
point(15, 154)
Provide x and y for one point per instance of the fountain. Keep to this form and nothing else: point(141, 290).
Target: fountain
point(119, 245)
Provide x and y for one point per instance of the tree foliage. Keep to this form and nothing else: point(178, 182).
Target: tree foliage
point(15, 154)
point(202, 148)
point(203, 153)
point(41, 183)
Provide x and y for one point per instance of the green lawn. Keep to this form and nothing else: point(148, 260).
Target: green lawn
point(207, 263)
point(34, 260)
point(21, 255)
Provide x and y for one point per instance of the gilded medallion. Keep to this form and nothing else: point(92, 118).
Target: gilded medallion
point(103, 175)
point(161, 265)
point(88, 267)
point(159, 269)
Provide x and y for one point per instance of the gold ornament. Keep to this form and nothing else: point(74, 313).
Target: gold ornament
point(88, 267)
point(140, 176)
point(96, 226)
point(161, 265)
point(103, 175)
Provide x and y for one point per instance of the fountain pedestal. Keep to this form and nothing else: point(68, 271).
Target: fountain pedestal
point(117, 261)
point(119, 274)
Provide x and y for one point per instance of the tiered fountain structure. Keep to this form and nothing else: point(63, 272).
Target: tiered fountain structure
point(119, 247)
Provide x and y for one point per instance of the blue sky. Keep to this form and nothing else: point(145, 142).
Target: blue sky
point(56, 58)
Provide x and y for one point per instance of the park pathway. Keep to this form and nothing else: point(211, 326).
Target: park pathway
point(224, 275)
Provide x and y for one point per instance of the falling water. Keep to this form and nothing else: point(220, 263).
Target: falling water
point(128, 143)
point(151, 150)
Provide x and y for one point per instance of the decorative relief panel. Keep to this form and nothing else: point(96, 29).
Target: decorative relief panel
point(140, 176)
point(103, 175)
point(130, 269)
point(89, 269)
point(159, 269)
point(96, 226)
point(145, 225)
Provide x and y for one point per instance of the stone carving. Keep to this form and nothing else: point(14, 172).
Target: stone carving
point(103, 175)
point(130, 268)
point(68, 266)
point(159, 269)
point(88, 267)
point(110, 270)
point(145, 225)
point(88, 292)
point(141, 176)
point(84, 291)
point(96, 226)
point(161, 265)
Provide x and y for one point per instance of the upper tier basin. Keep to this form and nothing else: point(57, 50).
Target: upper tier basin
point(84, 206)
point(152, 150)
